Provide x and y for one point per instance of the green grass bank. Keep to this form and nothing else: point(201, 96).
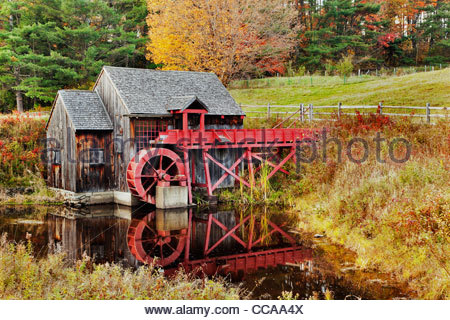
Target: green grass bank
point(408, 90)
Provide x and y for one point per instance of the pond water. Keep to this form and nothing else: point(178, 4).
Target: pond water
point(257, 249)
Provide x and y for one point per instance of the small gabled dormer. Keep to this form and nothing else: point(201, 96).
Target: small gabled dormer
point(192, 109)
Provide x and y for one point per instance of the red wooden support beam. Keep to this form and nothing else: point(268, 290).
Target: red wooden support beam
point(202, 122)
point(250, 232)
point(287, 236)
point(268, 162)
point(281, 164)
point(185, 122)
point(226, 174)
point(188, 238)
point(207, 155)
point(208, 233)
point(188, 174)
point(250, 166)
point(229, 233)
point(207, 175)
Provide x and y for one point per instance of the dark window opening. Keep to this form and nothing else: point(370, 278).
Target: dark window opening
point(147, 130)
point(55, 157)
point(96, 156)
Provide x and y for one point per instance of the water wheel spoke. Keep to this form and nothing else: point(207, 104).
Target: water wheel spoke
point(149, 228)
point(151, 185)
point(170, 166)
point(168, 244)
point(160, 162)
point(152, 167)
point(148, 176)
point(171, 178)
point(146, 240)
point(161, 251)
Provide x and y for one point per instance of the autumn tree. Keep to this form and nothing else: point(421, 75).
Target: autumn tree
point(227, 37)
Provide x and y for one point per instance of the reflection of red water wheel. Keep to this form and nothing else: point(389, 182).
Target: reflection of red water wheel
point(147, 243)
point(149, 168)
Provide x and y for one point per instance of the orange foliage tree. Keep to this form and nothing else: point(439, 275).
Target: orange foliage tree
point(227, 37)
point(404, 15)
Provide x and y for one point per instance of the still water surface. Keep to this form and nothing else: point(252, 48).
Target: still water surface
point(129, 236)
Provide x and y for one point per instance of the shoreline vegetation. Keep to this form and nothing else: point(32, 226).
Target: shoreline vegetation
point(394, 216)
point(22, 276)
point(22, 173)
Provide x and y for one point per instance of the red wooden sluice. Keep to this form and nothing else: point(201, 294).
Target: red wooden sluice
point(145, 172)
point(246, 262)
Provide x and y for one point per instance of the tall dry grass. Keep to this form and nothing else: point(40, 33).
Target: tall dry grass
point(22, 276)
point(396, 216)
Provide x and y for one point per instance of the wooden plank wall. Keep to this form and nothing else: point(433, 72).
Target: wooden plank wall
point(94, 177)
point(61, 135)
point(121, 135)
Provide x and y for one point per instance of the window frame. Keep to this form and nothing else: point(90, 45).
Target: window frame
point(147, 130)
point(55, 156)
point(100, 159)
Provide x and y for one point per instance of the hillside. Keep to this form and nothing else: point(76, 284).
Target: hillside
point(409, 90)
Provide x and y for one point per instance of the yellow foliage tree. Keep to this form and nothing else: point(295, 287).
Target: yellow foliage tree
point(221, 36)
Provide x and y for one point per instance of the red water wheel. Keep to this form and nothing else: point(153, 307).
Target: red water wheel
point(154, 167)
point(150, 245)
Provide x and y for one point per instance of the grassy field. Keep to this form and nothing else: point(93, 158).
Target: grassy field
point(409, 90)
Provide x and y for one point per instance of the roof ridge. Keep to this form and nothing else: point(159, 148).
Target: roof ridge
point(159, 70)
point(76, 90)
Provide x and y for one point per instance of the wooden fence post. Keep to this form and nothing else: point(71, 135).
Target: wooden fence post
point(380, 105)
point(268, 111)
point(339, 110)
point(301, 113)
point(311, 114)
point(428, 113)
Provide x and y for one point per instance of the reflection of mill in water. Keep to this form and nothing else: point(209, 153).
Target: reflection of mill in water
point(211, 241)
point(98, 237)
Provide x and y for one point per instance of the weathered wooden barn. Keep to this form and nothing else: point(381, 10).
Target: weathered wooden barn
point(93, 135)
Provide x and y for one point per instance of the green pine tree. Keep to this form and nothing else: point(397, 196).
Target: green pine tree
point(340, 28)
point(46, 45)
point(435, 30)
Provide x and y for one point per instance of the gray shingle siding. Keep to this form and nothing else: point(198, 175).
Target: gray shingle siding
point(86, 110)
point(146, 91)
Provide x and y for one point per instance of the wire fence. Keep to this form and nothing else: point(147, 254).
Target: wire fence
point(310, 113)
point(311, 80)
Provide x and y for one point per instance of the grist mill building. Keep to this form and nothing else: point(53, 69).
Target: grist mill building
point(93, 135)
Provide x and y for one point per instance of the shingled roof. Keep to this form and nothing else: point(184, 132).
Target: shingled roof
point(181, 103)
point(154, 92)
point(85, 109)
